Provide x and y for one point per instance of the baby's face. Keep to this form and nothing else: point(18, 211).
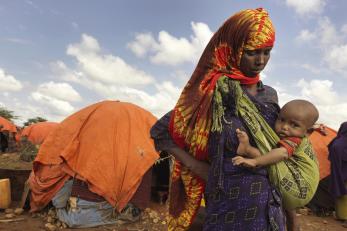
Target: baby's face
point(291, 123)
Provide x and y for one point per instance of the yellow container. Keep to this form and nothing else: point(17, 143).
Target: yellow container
point(341, 207)
point(5, 193)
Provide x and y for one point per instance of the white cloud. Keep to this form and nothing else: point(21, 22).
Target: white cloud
point(75, 25)
point(158, 103)
point(55, 106)
point(124, 88)
point(18, 41)
point(319, 91)
point(344, 29)
point(306, 36)
point(327, 33)
point(311, 68)
point(55, 99)
point(105, 68)
point(330, 42)
point(304, 7)
point(142, 44)
point(332, 107)
point(169, 50)
point(62, 91)
point(337, 58)
point(9, 82)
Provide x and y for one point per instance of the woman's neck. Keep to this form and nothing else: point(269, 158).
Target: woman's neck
point(251, 89)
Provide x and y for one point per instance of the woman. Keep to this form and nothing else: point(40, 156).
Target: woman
point(203, 123)
point(338, 179)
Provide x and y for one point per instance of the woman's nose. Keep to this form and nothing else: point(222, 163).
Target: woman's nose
point(260, 59)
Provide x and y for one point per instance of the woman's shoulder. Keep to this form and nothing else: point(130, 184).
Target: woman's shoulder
point(268, 94)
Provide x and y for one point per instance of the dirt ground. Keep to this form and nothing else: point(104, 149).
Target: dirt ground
point(146, 223)
point(12, 161)
point(152, 219)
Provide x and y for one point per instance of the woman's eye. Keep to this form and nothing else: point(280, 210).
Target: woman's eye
point(250, 53)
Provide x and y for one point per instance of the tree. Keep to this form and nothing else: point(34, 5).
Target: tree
point(34, 120)
point(7, 114)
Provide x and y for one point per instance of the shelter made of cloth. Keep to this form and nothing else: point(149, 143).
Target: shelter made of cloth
point(6, 125)
point(320, 138)
point(37, 133)
point(106, 145)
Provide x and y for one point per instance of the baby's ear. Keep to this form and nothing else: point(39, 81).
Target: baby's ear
point(310, 130)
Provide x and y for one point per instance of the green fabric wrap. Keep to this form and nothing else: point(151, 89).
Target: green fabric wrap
point(297, 177)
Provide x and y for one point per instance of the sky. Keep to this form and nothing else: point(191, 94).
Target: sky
point(57, 57)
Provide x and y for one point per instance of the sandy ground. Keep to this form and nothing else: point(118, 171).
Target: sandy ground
point(307, 222)
point(153, 219)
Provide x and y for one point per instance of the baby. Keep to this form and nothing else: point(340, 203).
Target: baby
point(295, 120)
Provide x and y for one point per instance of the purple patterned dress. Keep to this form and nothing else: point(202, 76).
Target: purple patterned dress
point(237, 198)
point(240, 198)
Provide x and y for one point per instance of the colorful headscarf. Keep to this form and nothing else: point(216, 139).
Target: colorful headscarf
point(191, 119)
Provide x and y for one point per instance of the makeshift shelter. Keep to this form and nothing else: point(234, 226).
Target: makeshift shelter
point(106, 146)
point(320, 138)
point(322, 203)
point(6, 125)
point(36, 133)
point(7, 133)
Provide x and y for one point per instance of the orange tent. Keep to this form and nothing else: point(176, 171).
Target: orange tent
point(36, 133)
point(106, 144)
point(320, 138)
point(7, 125)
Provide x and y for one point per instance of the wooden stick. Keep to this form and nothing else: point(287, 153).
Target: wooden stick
point(24, 194)
point(11, 220)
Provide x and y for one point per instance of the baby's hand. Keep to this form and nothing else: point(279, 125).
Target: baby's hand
point(242, 136)
point(243, 142)
point(239, 160)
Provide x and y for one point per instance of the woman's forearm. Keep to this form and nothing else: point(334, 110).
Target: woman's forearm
point(200, 168)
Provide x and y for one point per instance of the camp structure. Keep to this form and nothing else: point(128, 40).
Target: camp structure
point(36, 133)
point(320, 138)
point(7, 133)
point(95, 166)
point(322, 203)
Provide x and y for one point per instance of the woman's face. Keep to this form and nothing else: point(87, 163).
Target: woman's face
point(254, 61)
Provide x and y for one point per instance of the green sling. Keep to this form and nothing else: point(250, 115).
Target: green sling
point(297, 177)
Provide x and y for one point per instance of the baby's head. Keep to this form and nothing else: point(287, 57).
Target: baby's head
point(296, 118)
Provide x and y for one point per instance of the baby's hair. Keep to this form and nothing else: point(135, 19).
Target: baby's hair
point(301, 104)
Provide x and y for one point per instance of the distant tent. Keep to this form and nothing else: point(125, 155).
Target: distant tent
point(320, 138)
point(7, 133)
point(106, 145)
point(6, 125)
point(37, 133)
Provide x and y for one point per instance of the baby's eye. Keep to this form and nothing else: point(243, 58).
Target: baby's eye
point(294, 125)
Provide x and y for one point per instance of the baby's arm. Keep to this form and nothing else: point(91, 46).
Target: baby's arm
point(274, 156)
point(244, 148)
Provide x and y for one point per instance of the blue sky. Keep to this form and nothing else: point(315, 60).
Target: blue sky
point(57, 57)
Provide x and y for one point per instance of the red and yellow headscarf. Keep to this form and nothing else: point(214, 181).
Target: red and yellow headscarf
point(191, 119)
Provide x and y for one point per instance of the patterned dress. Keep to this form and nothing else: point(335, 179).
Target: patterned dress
point(237, 198)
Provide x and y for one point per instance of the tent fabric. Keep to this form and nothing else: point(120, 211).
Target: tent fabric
point(106, 144)
point(36, 133)
point(320, 138)
point(7, 125)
